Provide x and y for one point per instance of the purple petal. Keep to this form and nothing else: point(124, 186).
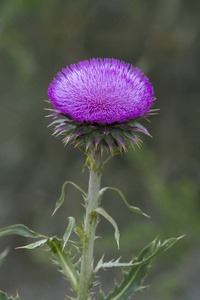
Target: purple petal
point(101, 91)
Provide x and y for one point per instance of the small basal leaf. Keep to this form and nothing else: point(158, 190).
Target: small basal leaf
point(132, 208)
point(102, 212)
point(62, 197)
point(4, 296)
point(68, 231)
point(19, 229)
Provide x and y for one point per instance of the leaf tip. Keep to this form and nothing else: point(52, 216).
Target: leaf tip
point(145, 215)
point(118, 245)
point(180, 237)
point(55, 210)
point(155, 240)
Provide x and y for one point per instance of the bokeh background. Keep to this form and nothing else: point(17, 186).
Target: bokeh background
point(37, 39)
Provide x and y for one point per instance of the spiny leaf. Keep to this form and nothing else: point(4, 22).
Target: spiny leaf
point(102, 212)
point(62, 259)
point(68, 231)
point(34, 245)
point(132, 208)
point(111, 264)
point(133, 279)
point(62, 197)
point(19, 229)
point(4, 296)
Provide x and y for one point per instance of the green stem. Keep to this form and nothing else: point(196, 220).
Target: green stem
point(86, 273)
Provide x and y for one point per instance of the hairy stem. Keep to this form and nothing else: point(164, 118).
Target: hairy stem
point(86, 273)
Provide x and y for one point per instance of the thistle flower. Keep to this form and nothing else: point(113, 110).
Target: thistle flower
point(97, 103)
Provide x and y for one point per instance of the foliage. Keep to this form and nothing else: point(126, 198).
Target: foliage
point(4, 296)
point(138, 267)
point(133, 279)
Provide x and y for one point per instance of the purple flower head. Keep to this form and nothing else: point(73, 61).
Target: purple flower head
point(97, 104)
point(101, 91)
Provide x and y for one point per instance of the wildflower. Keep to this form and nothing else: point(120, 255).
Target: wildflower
point(97, 103)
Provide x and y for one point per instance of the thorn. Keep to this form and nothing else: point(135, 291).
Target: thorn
point(154, 241)
point(145, 215)
point(149, 135)
point(180, 237)
point(118, 245)
point(115, 282)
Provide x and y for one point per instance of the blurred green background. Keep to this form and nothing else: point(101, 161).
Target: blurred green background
point(37, 39)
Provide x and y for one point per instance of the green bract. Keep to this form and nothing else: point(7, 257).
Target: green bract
point(112, 137)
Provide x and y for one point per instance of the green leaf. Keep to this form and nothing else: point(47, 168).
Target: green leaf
point(63, 260)
point(4, 296)
point(80, 233)
point(62, 197)
point(102, 212)
point(132, 208)
point(111, 264)
point(34, 245)
point(87, 162)
point(133, 279)
point(19, 229)
point(68, 231)
point(3, 255)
